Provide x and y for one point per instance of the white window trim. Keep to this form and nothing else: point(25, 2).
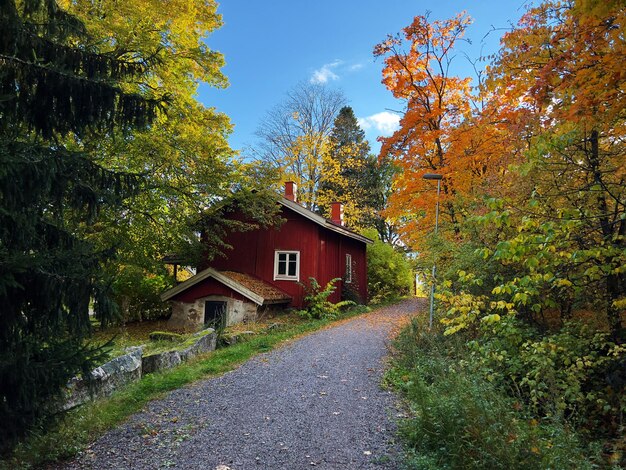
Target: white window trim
point(285, 277)
point(348, 268)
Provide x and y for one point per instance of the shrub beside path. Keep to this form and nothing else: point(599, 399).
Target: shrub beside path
point(313, 403)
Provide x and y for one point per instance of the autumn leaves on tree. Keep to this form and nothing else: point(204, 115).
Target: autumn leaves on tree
point(417, 72)
point(535, 149)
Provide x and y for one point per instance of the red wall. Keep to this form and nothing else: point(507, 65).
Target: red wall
point(333, 250)
point(322, 255)
point(205, 288)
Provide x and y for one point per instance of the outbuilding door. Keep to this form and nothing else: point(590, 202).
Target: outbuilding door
point(214, 314)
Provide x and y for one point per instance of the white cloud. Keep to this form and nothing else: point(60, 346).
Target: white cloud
point(355, 67)
point(386, 123)
point(325, 73)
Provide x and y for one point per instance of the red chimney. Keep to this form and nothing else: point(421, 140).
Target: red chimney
point(336, 212)
point(291, 189)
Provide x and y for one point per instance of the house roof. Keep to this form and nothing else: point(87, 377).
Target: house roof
point(256, 290)
point(319, 220)
point(270, 293)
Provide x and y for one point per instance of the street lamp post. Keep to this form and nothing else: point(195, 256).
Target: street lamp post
point(434, 176)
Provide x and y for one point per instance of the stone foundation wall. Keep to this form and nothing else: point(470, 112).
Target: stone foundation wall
point(189, 316)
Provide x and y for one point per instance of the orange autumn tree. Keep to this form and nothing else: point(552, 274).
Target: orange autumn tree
point(417, 71)
point(537, 176)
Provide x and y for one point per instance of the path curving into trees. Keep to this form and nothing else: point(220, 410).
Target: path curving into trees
point(314, 403)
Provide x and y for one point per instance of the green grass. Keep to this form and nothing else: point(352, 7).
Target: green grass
point(458, 420)
point(83, 425)
point(119, 338)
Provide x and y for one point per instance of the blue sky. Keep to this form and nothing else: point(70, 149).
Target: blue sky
point(271, 46)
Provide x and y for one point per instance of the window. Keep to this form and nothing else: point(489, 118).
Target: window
point(348, 269)
point(287, 265)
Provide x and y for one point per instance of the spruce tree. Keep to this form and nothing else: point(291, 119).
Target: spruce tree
point(346, 131)
point(55, 95)
point(357, 178)
point(348, 143)
point(344, 164)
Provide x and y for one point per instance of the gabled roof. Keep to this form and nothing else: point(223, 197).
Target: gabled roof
point(254, 289)
point(319, 220)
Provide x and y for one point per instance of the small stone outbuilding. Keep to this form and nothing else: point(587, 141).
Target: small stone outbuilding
point(220, 298)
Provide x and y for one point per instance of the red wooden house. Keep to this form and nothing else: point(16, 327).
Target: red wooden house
point(266, 267)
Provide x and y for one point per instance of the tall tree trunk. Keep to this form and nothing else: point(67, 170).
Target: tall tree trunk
point(615, 286)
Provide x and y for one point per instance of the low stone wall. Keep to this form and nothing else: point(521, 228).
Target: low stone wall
point(160, 361)
point(105, 379)
point(235, 338)
point(130, 367)
point(203, 345)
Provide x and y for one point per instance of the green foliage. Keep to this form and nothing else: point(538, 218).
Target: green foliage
point(535, 269)
point(183, 155)
point(532, 231)
point(389, 272)
point(458, 419)
point(358, 179)
point(377, 182)
point(55, 92)
point(138, 293)
point(350, 292)
point(166, 336)
point(534, 266)
point(316, 299)
point(575, 374)
point(344, 169)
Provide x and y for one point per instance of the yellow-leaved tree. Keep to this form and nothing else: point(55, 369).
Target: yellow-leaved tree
point(183, 156)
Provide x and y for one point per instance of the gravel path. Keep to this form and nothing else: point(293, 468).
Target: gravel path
point(314, 403)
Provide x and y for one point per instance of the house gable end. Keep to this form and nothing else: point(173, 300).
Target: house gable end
point(217, 276)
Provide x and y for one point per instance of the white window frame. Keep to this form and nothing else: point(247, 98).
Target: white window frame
point(348, 268)
point(286, 276)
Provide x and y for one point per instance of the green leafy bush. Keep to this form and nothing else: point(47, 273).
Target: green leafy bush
point(389, 272)
point(575, 373)
point(516, 312)
point(316, 299)
point(459, 419)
